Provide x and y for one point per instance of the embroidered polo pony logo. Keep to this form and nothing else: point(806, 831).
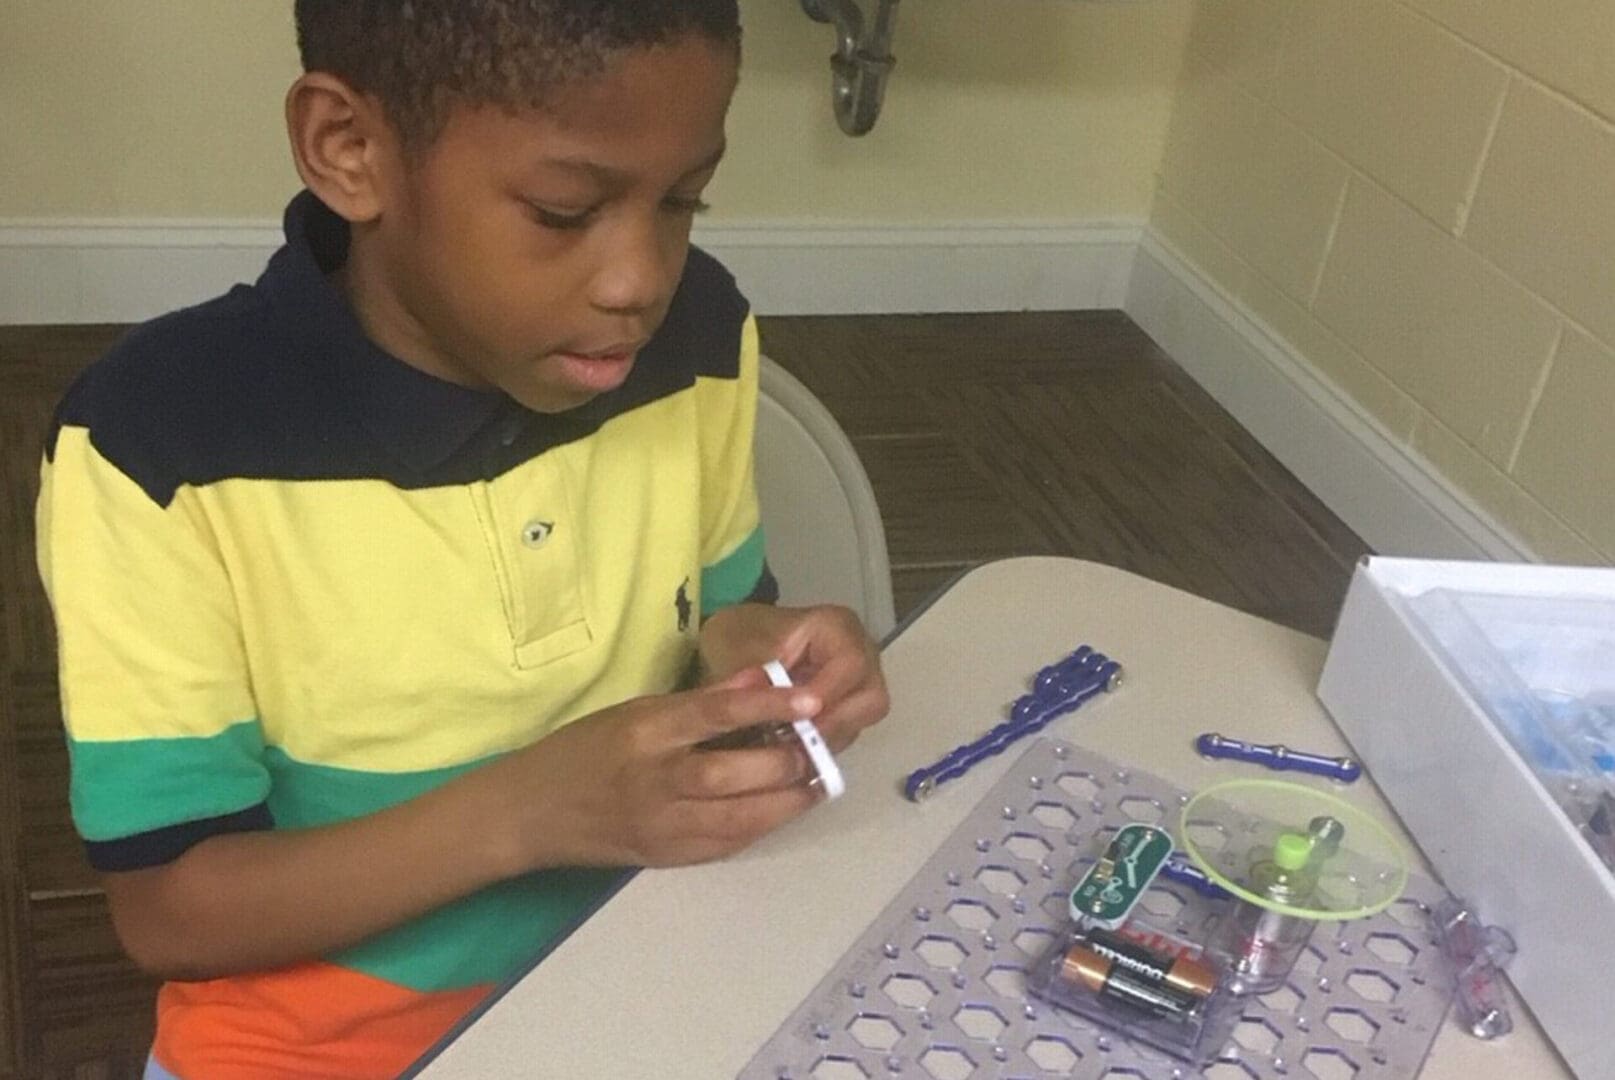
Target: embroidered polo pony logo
point(681, 603)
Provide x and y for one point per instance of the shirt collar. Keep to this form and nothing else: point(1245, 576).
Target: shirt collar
point(420, 418)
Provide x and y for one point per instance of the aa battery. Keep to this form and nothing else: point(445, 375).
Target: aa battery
point(1178, 973)
point(1108, 979)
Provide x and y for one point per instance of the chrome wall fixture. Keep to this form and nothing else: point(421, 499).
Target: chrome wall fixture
point(863, 58)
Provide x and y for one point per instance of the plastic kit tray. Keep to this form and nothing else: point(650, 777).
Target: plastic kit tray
point(1543, 668)
point(934, 989)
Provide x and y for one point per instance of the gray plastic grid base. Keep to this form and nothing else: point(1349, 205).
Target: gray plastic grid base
point(934, 989)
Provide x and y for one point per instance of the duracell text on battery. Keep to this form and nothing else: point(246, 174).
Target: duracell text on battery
point(1109, 980)
point(1181, 973)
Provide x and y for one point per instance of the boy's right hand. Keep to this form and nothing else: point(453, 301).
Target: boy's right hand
point(628, 786)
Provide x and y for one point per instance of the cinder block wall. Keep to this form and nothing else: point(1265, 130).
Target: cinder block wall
point(1419, 197)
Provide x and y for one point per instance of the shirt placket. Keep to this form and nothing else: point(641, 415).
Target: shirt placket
point(535, 532)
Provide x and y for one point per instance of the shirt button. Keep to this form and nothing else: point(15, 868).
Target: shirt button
point(534, 533)
point(508, 432)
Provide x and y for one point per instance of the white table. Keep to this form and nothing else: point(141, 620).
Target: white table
point(687, 972)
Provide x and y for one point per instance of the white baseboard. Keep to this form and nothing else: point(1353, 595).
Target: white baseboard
point(804, 270)
point(1388, 496)
point(117, 272)
point(92, 272)
point(121, 272)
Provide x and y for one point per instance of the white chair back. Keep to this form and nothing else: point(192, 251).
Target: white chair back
point(822, 528)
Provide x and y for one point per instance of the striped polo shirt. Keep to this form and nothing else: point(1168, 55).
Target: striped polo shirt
point(297, 581)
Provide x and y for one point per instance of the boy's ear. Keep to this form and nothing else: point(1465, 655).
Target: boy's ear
point(341, 141)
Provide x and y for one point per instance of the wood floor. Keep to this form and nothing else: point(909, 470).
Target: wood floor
point(987, 436)
point(984, 436)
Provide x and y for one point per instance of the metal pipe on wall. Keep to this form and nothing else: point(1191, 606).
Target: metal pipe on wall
point(862, 61)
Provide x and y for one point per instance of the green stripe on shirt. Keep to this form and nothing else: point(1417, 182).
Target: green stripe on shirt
point(732, 578)
point(486, 937)
point(126, 787)
point(482, 938)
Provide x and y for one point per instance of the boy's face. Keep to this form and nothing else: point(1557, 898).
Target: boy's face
point(537, 252)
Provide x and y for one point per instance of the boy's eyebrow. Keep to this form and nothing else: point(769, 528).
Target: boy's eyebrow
point(606, 174)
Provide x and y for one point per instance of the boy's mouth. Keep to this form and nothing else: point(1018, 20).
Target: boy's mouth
point(601, 369)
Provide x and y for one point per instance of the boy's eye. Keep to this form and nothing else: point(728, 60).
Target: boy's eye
point(686, 204)
point(551, 218)
point(559, 219)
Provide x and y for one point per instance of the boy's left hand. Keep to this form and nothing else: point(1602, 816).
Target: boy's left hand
point(824, 648)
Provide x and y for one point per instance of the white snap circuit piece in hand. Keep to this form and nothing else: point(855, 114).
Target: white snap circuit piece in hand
point(818, 751)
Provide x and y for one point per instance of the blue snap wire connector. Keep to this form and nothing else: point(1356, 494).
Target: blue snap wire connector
point(1277, 757)
point(1058, 689)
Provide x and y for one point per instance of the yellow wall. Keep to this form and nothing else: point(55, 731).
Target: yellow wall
point(144, 108)
point(1419, 196)
point(1416, 194)
point(1025, 110)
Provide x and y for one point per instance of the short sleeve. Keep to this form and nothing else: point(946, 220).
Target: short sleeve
point(733, 565)
point(162, 730)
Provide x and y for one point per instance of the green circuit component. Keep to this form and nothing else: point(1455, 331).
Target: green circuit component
point(1107, 892)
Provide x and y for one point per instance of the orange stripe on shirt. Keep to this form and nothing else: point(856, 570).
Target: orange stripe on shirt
point(314, 1021)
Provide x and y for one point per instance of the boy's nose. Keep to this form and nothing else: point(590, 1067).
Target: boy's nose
point(637, 271)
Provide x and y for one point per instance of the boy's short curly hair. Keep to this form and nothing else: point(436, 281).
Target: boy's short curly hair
point(421, 57)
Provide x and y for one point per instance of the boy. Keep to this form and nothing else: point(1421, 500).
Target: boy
point(372, 580)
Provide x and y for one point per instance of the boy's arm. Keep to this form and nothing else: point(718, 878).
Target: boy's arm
point(623, 787)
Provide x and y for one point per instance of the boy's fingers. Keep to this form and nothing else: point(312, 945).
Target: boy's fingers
point(738, 821)
point(728, 773)
point(841, 724)
point(716, 710)
point(827, 633)
point(744, 679)
point(849, 684)
point(842, 673)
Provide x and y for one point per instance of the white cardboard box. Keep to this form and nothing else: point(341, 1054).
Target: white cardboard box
point(1487, 824)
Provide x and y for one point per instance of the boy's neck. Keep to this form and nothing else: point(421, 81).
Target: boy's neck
point(384, 315)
